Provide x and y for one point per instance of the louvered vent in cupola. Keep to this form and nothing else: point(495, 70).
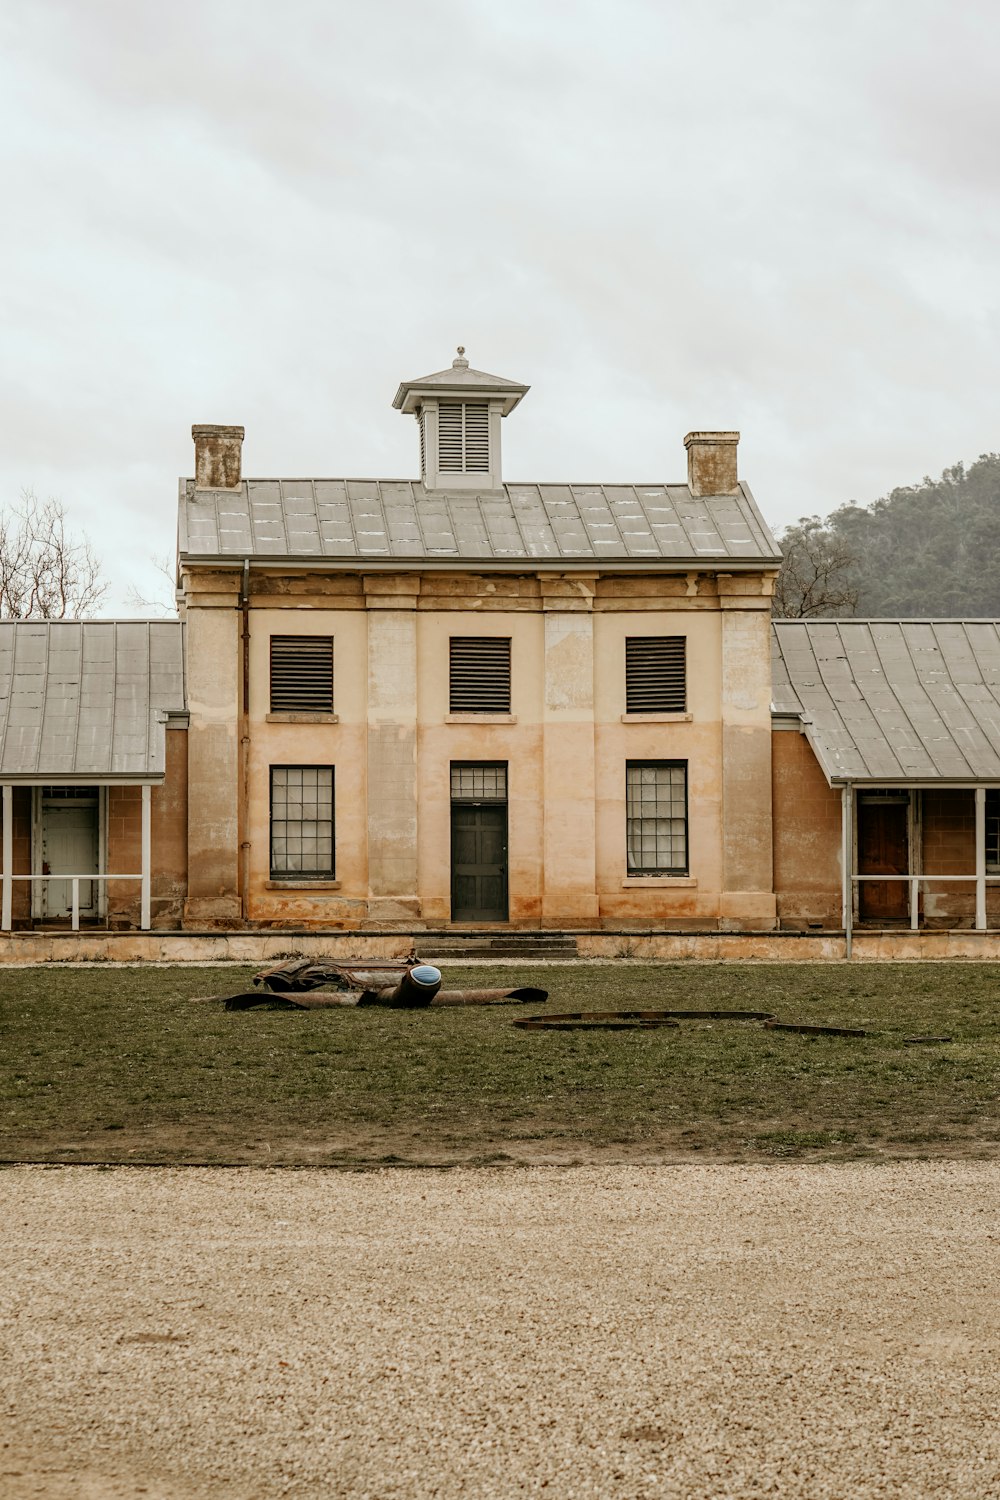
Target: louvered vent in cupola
point(479, 674)
point(655, 674)
point(477, 439)
point(463, 437)
point(301, 674)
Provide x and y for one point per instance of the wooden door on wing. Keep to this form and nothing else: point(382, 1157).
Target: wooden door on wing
point(883, 849)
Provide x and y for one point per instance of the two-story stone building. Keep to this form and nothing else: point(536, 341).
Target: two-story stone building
point(403, 704)
point(455, 699)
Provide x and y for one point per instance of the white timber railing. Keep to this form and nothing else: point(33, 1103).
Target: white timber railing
point(852, 878)
point(8, 877)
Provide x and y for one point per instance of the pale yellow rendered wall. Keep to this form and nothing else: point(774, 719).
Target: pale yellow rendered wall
point(566, 742)
point(392, 748)
point(289, 742)
point(696, 737)
point(747, 875)
point(570, 854)
point(518, 740)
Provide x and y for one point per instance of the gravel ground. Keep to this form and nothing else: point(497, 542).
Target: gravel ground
point(799, 1331)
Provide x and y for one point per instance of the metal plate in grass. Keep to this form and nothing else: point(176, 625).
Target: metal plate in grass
point(807, 1030)
point(632, 1020)
point(597, 1020)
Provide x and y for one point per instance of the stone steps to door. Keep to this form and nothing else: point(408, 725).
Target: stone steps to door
point(498, 946)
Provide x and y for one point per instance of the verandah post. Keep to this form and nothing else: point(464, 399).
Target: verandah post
point(847, 860)
point(144, 919)
point(980, 859)
point(8, 856)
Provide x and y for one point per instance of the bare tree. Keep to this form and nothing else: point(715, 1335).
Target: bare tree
point(164, 601)
point(815, 577)
point(46, 573)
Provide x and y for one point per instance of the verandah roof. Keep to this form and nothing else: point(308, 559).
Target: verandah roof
point(87, 700)
point(893, 701)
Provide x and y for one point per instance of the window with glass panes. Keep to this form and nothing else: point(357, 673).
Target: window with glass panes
point(478, 781)
point(656, 817)
point(302, 822)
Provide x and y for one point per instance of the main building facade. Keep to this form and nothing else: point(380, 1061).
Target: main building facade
point(455, 701)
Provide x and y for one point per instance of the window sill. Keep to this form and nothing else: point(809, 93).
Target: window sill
point(303, 718)
point(686, 882)
point(292, 884)
point(657, 718)
point(480, 718)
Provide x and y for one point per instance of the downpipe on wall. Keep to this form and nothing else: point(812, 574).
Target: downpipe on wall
point(245, 745)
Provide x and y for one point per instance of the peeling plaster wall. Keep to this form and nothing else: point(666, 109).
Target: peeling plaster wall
point(747, 897)
point(566, 741)
point(694, 737)
point(569, 872)
point(392, 752)
point(288, 740)
point(444, 738)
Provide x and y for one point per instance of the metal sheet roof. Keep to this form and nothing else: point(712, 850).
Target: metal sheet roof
point(83, 699)
point(379, 521)
point(893, 700)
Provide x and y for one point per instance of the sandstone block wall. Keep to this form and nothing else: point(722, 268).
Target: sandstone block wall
point(806, 821)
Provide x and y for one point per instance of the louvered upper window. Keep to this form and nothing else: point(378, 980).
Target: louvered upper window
point(463, 438)
point(655, 674)
point(302, 674)
point(479, 675)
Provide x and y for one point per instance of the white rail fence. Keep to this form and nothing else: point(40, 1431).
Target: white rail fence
point(75, 882)
point(7, 876)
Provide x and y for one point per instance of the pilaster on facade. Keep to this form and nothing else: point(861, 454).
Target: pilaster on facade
point(392, 747)
point(214, 702)
point(569, 859)
point(747, 898)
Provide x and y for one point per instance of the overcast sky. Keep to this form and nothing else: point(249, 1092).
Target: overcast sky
point(662, 214)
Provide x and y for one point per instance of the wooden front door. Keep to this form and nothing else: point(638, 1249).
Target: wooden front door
point(883, 849)
point(479, 862)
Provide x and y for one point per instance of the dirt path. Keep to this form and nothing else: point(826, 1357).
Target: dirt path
point(693, 1331)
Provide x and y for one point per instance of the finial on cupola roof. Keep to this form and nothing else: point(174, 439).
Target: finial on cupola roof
point(461, 363)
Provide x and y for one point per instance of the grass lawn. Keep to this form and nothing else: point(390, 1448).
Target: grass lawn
point(118, 1065)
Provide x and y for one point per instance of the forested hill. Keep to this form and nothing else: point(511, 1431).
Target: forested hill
point(929, 549)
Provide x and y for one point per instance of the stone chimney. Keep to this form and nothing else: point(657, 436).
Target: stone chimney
point(217, 456)
point(712, 462)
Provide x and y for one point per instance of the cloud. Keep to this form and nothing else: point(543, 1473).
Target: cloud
point(663, 216)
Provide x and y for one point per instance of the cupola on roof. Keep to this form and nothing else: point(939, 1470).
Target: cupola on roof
point(459, 511)
point(458, 412)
